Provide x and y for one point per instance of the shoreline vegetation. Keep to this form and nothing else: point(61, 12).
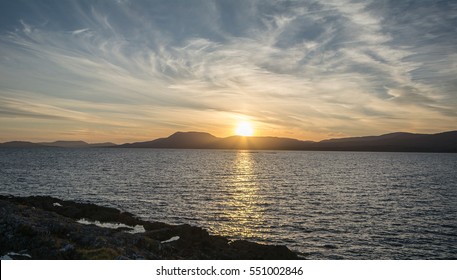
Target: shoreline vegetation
point(444, 142)
point(43, 227)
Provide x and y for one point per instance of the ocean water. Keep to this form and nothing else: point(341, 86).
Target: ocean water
point(324, 205)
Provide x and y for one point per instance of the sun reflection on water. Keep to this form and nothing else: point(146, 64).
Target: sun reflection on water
point(242, 208)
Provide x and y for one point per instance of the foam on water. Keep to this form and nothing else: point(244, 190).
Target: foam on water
point(132, 230)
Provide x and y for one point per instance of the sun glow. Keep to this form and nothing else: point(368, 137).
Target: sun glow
point(244, 129)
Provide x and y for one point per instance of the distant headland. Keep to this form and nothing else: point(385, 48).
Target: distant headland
point(444, 142)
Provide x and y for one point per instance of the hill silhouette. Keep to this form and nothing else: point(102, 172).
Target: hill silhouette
point(20, 144)
point(203, 140)
point(55, 144)
point(396, 142)
point(178, 140)
point(445, 142)
point(75, 144)
point(392, 142)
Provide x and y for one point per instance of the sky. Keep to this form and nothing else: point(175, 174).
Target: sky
point(131, 70)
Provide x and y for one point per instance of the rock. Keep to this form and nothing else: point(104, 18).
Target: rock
point(45, 231)
point(67, 247)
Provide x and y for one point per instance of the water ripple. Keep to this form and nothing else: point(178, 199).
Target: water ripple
point(326, 205)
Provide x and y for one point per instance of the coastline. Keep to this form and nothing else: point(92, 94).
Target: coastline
point(43, 227)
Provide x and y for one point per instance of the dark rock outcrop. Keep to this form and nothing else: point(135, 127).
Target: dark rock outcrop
point(48, 228)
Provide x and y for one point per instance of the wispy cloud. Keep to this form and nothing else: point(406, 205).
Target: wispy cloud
point(302, 69)
point(79, 31)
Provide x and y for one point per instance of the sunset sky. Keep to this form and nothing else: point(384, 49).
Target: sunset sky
point(130, 70)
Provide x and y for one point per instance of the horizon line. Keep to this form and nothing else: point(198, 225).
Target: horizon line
point(203, 132)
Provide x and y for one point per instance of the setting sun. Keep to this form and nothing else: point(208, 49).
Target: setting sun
point(244, 129)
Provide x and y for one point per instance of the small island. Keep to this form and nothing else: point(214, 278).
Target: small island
point(43, 227)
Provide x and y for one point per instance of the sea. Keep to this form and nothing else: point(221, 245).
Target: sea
point(323, 205)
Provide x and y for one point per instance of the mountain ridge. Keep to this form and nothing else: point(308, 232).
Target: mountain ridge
point(55, 144)
point(390, 142)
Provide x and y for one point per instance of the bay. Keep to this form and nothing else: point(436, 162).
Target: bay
point(324, 205)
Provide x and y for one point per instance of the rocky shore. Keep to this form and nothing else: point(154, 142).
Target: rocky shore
point(42, 227)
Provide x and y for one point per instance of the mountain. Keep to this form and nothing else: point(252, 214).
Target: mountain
point(259, 143)
point(203, 140)
point(178, 140)
point(102, 145)
point(66, 144)
point(392, 142)
point(20, 144)
point(59, 144)
point(76, 144)
point(395, 142)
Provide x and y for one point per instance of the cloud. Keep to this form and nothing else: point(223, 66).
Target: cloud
point(305, 68)
point(79, 31)
point(26, 28)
